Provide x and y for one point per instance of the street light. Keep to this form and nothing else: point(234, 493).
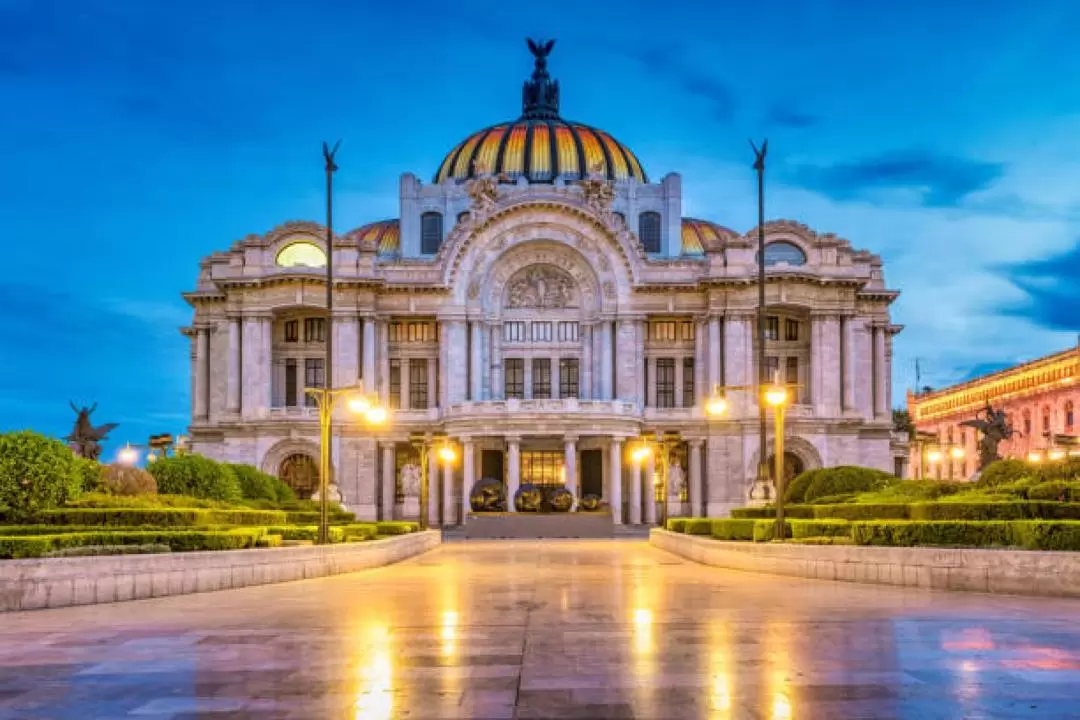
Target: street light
point(128, 455)
point(1056, 454)
point(325, 399)
point(717, 403)
point(660, 448)
point(1034, 457)
point(777, 396)
point(446, 453)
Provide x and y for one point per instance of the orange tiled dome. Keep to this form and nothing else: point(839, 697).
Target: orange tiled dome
point(383, 235)
point(699, 235)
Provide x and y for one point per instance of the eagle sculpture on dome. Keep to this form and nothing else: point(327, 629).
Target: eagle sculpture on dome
point(540, 95)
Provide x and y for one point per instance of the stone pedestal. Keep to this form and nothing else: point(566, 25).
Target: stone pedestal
point(411, 509)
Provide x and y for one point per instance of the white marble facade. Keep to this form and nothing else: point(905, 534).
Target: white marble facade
point(533, 286)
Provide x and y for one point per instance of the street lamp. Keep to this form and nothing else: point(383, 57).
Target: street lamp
point(128, 455)
point(446, 453)
point(325, 398)
point(717, 403)
point(777, 396)
point(661, 447)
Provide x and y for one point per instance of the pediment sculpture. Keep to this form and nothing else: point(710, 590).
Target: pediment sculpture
point(541, 286)
point(483, 191)
point(599, 193)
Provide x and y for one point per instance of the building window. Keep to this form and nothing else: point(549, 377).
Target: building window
point(315, 330)
point(514, 369)
point(665, 383)
point(541, 378)
point(514, 331)
point(1046, 420)
point(791, 330)
point(568, 378)
point(541, 332)
point(784, 252)
point(314, 377)
point(430, 233)
point(568, 332)
point(418, 389)
point(662, 330)
point(290, 382)
point(1068, 415)
point(772, 368)
point(688, 382)
point(1027, 423)
point(395, 384)
point(649, 231)
point(301, 254)
point(543, 467)
point(292, 331)
point(772, 327)
point(791, 376)
point(412, 332)
point(687, 330)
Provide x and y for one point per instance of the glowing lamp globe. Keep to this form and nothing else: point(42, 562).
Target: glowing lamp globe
point(376, 415)
point(776, 396)
point(717, 405)
point(359, 404)
point(447, 454)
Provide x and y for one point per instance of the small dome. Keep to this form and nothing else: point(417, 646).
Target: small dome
point(540, 145)
point(701, 235)
point(384, 236)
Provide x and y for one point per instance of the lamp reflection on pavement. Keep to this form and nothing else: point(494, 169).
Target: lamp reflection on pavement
point(779, 668)
point(375, 675)
point(720, 669)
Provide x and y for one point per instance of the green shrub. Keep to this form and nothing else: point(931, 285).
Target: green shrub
point(90, 470)
point(733, 529)
point(176, 540)
point(969, 511)
point(795, 492)
point(1053, 490)
point(307, 517)
point(765, 530)
point(196, 476)
point(126, 480)
point(257, 485)
point(1066, 471)
point(913, 491)
point(837, 499)
point(859, 511)
point(676, 524)
point(306, 532)
point(269, 541)
point(820, 528)
point(804, 512)
point(37, 472)
point(161, 517)
point(1046, 535)
point(698, 526)
point(901, 533)
point(845, 479)
point(396, 527)
point(102, 500)
point(1001, 472)
point(823, 540)
point(358, 532)
point(92, 550)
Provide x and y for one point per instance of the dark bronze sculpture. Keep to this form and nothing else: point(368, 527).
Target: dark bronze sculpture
point(560, 499)
point(995, 427)
point(528, 498)
point(85, 439)
point(589, 503)
point(487, 495)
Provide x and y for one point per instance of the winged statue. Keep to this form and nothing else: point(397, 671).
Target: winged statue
point(995, 427)
point(85, 439)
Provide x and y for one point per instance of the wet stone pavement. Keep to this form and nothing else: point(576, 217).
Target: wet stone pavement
point(556, 629)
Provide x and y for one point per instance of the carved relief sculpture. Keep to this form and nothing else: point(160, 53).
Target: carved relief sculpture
point(410, 481)
point(599, 193)
point(541, 286)
point(483, 191)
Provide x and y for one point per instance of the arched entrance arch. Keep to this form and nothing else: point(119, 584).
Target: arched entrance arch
point(798, 452)
point(296, 462)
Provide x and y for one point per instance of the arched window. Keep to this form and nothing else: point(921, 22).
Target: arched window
point(1027, 423)
point(649, 231)
point(1046, 419)
point(430, 233)
point(1068, 414)
point(782, 251)
point(301, 254)
point(301, 473)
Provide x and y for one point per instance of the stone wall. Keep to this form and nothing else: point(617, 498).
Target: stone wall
point(60, 582)
point(1014, 572)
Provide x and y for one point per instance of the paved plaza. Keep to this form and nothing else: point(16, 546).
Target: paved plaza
point(558, 629)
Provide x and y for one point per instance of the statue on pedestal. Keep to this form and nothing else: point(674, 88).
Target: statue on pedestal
point(333, 494)
point(995, 427)
point(676, 480)
point(410, 481)
point(85, 439)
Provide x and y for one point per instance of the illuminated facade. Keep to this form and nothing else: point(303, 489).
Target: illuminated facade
point(1040, 398)
point(543, 303)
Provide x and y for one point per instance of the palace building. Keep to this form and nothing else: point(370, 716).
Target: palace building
point(544, 304)
point(1040, 400)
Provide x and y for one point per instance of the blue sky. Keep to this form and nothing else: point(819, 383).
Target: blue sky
point(137, 137)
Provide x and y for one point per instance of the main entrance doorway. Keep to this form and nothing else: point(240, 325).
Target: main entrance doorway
point(592, 473)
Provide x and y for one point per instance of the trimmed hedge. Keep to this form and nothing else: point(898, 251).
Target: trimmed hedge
point(1002, 472)
point(196, 476)
point(676, 524)
point(359, 532)
point(1028, 534)
point(257, 485)
point(95, 550)
point(396, 527)
point(166, 517)
point(845, 479)
point(37, 472)
point(1046, 535)
point(858, 511)
point(102, 500)
point(733, 529)
point(269, 541)
point(801, 529)
point(698, 526)
point(801, 512)
point(307, 532)
point(307, 517)
point(125, 480)
point(1054, 490)
point(32, 546)
point(765, 530)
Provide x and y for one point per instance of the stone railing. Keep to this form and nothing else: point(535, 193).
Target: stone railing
point(560, 407)
point(296, 412)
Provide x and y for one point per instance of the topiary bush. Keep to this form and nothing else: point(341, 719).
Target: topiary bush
point(396, 527)
point(796, 489)
point(196, 476)
point(733, 529)
point(698, 526)
point(676, 524)
point(1053, 490)
point(820, 528)
point(90, 470)
point(125, 480)
point(257, 485)
point(1067, 471)
point(845, 479)
point(1002, 472)
point(37, 472)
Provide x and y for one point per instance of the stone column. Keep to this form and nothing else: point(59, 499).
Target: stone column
point(634, 501)
point(202, 373)
point(528, 378)
point(382, 329)
point(346, 346)
point(513, 470)
point(615, 480)
point(650, 385)
point(475, 361)
point(368, 361)
point(697, 506)
point(265, 363)
point(554, 375)
point(403, 391)
point(640, 390)
point(449, 503)
point(468, 469)
point(701, 387)
point(714, 352)
point(434, 467)
point(888, 374)
point(456, 359)
point(497, 389)
point(389, 481)
point(444, 360)
point(570, 464)
point(881, 409)
point(586, 377)
point(607, 376)
point(232, 383)
point(848, 341)
point(679, 379)
point(485, 362)
point(251, 345)
point(649, 491)
point(738, 348)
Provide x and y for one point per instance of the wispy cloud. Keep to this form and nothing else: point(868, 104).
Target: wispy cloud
point(1052, 293)
point(696, 81)
point(789, 116)
point(931, 179)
